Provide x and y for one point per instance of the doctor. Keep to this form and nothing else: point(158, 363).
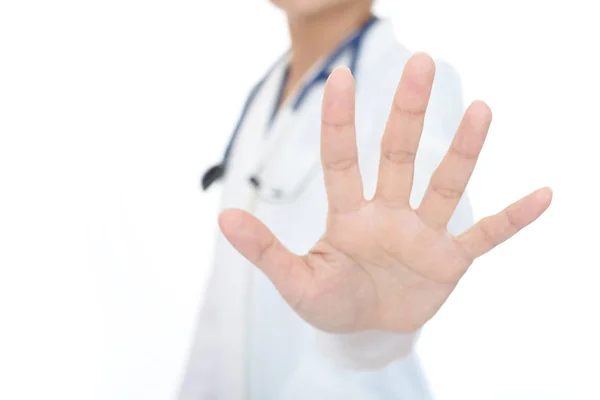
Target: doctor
point(346, 226)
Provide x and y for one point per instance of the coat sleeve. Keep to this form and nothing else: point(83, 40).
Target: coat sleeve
point(346, 365)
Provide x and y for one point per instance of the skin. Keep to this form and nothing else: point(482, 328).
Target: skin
point(306, 9)
point(382, 265)
point(316, 28)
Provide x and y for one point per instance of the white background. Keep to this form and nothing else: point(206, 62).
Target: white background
point(111, 110)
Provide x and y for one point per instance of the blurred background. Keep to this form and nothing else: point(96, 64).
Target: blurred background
point(110, 111)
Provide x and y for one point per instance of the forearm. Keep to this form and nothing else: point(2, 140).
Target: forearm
point(365, 350)
point(318, 377)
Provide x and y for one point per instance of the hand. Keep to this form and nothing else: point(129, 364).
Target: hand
point(381, 264)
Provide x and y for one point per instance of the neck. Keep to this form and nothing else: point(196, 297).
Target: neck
point(316, 36)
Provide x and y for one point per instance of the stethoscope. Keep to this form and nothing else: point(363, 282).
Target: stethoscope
point(274, 195)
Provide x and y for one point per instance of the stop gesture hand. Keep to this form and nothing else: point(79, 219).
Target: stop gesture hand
point(382, 264)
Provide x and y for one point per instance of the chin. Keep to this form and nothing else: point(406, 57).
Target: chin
point(306, 8)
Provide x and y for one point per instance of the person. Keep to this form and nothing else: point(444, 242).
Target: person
point(345, 224)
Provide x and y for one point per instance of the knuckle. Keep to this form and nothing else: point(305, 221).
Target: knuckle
point(335, 127)
point(399, 157)
point(342, 164)
point(511, 221)
point(267, 251)
point(409, 112)
point(464, 153)
point(447, 193)
point(464, 252)
point(486, 235)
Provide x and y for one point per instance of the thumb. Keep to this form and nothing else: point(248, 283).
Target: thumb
point(288, 272)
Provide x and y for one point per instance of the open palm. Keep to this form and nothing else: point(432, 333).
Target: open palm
point(382, 264)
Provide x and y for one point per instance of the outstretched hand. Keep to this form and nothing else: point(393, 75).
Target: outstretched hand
point(382, 264)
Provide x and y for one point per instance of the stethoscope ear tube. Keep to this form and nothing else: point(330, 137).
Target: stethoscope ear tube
point(217, 172)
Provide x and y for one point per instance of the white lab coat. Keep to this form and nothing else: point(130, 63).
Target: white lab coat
point(249, 343)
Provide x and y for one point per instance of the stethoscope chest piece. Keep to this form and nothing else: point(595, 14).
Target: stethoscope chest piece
point(212, 175)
